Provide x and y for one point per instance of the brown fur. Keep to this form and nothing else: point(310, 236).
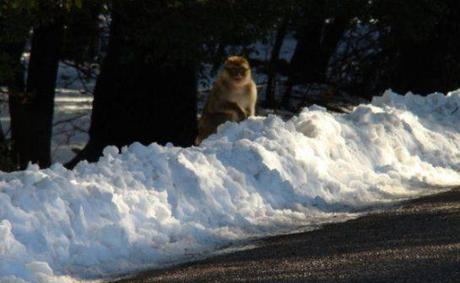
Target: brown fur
point(233, 97)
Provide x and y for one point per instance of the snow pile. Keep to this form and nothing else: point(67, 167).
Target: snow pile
point(153, 205)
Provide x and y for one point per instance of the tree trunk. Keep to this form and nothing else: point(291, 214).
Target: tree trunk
point(332, 34)
point(317, 42)
point(18, 114)
point(270, 100)
point(13, 34)
point(305, 54)
point(32, 110)
point(4, 151)
point(16, 87)
point(140, 97)
point(3, 145)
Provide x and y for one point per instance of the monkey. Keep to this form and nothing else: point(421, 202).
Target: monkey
point(233, 97)
point(208, 123)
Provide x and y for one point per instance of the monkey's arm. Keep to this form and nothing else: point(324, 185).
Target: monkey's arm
point(212, 105)
point(252, 100)
point(233, 110)
point(219, 104)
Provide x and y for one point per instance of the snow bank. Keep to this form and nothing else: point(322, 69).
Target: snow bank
point(151, 205)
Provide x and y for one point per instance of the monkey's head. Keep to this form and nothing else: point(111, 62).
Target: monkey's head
point(237, 70)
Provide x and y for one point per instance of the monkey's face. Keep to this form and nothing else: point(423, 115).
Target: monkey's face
point(238, 74)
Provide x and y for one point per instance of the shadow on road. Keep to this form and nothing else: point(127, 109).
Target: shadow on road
point(418, 242)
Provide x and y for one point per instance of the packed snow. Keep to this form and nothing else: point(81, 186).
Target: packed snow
point(153, 205)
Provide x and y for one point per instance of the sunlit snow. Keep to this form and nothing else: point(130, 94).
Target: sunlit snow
point(153, 205)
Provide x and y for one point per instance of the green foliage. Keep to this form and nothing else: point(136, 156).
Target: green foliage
point(404, 45)
point(81, 32)
point(200, 28)
point(14, 29)
point(171, 31)
point(38, 4)
point(420, 42)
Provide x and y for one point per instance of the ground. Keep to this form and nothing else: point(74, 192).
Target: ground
point(416, 242)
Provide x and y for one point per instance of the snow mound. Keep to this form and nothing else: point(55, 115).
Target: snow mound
point(152, 205)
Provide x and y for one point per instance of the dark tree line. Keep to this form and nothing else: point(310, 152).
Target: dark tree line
point(43, 25)
point(31, 100)
point(146, 90)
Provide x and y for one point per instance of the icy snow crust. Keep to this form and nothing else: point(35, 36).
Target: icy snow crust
point(151, 205)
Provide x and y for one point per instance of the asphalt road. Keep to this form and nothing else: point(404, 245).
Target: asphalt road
point(418, 242)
